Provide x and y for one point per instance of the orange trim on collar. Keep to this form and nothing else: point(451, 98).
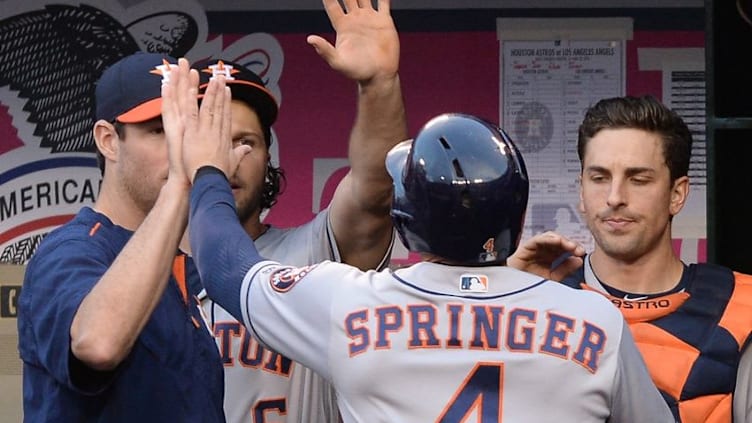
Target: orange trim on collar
point(647, 309)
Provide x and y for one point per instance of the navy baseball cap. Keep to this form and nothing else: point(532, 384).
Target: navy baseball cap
point(244, 84)
point(130, 91)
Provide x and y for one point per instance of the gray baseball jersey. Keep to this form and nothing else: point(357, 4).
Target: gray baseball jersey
point(453, 344)
point(262, 386)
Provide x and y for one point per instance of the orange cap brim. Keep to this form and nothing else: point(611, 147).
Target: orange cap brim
point(143, 112)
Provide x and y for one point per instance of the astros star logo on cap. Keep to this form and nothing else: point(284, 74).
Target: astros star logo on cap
point(164, 70)
point(221, 69)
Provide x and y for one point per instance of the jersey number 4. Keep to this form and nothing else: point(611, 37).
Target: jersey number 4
point(480, 394)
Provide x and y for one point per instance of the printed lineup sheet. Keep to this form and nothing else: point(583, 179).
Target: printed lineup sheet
point(546, 88)
point(684, 92)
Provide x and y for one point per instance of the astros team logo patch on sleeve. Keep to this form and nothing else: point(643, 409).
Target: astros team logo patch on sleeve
point(284, 279)
point(473, 283)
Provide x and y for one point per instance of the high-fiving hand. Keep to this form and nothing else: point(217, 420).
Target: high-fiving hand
point(173, 93)
point(198, 136)
point(367, 44)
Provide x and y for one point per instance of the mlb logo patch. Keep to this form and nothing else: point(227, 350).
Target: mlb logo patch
point(473, 283)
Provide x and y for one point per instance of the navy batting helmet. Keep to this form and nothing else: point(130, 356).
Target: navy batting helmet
point(460, 190)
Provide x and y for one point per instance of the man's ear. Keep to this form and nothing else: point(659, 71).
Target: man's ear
point(106, 139)
point(679, 194)
point(581, 204)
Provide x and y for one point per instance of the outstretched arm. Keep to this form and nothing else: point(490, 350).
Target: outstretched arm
point(548, 255)
point(222, 250)
point(105, 326)
point(367, 51)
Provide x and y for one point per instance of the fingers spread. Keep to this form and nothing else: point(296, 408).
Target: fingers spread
point(333, 9)
point(323, 48)
point(350, 5)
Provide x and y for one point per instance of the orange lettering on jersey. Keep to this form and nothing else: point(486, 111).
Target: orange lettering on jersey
point(558, 330)
point(646, 310)
point(592, 344)
point(357, 331)
point(486, 322)
point(250, 353)
point(277, 363)
point(521, 329)
point(454, 311)
point(419, 324)
point(224, 332)
point(422, 326)
point(388, 319)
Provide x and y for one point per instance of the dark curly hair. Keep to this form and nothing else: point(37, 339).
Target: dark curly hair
point(274, 184)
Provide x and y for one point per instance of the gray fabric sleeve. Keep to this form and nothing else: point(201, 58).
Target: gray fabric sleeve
point(635, 399)
point(742, 405)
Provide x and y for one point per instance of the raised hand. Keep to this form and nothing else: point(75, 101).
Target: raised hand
point(540, 253)
point(180, 89)
point(367, 45)
point(206, 137)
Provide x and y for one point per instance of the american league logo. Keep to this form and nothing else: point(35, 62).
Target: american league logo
point(51, 55)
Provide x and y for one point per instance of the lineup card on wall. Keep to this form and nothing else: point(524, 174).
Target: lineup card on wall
point(546, 87)
point(684, 92)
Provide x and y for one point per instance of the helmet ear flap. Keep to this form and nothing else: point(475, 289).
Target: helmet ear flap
point(401, 222)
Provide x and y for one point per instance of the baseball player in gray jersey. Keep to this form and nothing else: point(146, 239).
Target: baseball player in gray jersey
point(260, 384)
point(454, 338)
